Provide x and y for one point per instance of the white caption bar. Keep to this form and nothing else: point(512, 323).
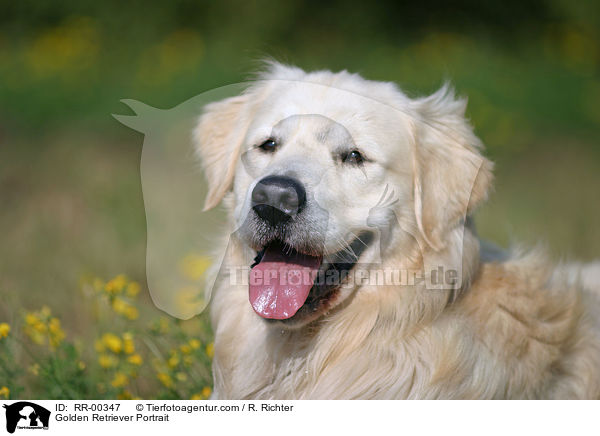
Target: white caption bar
point(299, 417)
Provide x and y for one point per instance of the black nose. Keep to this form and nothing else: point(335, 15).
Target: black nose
point(276, 199)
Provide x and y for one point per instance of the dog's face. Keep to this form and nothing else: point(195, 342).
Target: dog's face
point(328, 171)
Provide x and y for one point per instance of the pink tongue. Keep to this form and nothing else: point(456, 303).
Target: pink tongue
point(280, 283)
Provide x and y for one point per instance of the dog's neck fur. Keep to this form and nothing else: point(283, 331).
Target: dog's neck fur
point(292, 361)
point(515, 331)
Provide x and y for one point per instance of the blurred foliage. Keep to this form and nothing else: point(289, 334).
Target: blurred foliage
point(527, 65)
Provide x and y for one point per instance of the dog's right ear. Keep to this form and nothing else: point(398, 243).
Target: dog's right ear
point(218, 138)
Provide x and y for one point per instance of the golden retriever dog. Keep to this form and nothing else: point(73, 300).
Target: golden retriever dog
point(351, 268)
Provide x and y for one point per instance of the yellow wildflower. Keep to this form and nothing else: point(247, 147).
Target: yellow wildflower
point(194, 266)
point(206, 391)
point(4, 330)
point(119, 380)
point(4, 392)
point(131, 313)
point(119, 305)
point(181, 376)
point(116, 285)
point(81, 365)
point(107, 361)
point(124, 308)
point(54, 326)
point(196, 396)
point(39, 326)
point(33, 320)
point(112, 342)
point(135, 359)
point(195, 344)
point(173, 360)
point(165, 379)
point(56, 332)
point(185, 349)
point(35, 328)
point(210, 350)
point(133, 289)
point(128, 345)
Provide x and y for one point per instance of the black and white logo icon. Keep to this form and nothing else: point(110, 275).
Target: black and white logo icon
point(26, 415)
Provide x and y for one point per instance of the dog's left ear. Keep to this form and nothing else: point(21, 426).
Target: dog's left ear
point(451, 176)
point(218, 138)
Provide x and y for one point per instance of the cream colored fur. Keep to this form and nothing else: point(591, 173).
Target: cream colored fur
point(517, 326)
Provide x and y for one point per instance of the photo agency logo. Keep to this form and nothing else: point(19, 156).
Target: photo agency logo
point(24, 415)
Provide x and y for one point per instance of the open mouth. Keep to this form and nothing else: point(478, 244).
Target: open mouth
point(286, 284)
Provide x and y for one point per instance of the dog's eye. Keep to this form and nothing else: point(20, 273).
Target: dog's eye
point(354, 157)
point(269, 145)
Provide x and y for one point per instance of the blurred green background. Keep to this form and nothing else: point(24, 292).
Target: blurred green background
point(70, 194)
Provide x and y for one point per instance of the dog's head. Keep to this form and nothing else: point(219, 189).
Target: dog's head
point(327, 170)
